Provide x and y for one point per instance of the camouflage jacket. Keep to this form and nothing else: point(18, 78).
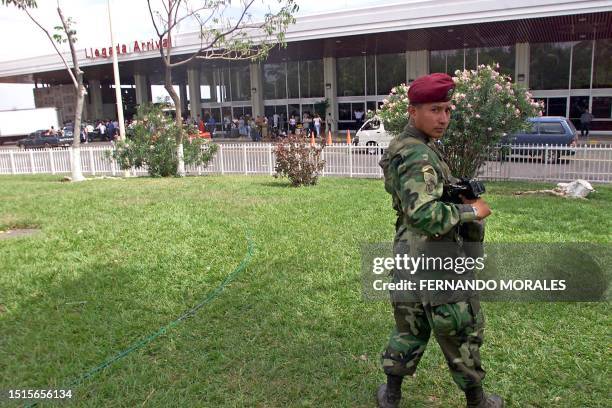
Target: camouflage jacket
point(415, 175)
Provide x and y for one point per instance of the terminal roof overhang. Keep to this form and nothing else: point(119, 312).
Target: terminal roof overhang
point(417, 25)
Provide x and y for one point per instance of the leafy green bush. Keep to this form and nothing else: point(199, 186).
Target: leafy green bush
point(152, 143)
point(298, 161)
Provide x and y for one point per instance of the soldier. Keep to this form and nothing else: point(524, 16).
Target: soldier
point(415, 174)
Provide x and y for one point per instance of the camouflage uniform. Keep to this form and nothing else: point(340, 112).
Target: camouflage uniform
point(415, 173)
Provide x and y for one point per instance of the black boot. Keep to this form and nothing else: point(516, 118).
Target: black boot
point(389, 394)
point(476, 398)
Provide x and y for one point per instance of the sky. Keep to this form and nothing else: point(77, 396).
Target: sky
point(131, 21)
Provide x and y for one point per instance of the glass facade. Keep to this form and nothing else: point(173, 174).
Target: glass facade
point(602, 66)
point(455, 61)
point(602, 107)
point(223, 85)
point(560, 74)
point(370, 77)
point(569, 70)
point(293, 80)
point(581, 65)
point(350, 72)
point(449, 61)
point(390, 72)
point(504, 56)
point(578, 104)
point(241, 82)
point(311, 79)
point(549, 66)
point(274, 81)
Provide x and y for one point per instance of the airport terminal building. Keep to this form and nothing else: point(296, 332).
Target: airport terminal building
point(351, 59)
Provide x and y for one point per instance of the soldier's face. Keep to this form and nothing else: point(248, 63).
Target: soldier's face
point(431, 118)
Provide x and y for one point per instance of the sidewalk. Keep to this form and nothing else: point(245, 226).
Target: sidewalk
point(336, 138)
point(595, 138)
point(340, 137)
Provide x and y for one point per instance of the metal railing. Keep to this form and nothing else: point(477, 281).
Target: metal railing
point(516, 162)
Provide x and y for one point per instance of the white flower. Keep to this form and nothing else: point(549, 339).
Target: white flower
point(497, 65)
point(453, 107)
point(489, 129)
point(477, 116)
point(393, 90)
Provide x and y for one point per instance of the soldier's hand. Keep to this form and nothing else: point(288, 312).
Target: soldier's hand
point(482, 208)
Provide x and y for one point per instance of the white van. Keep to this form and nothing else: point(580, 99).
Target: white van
point(372, 133)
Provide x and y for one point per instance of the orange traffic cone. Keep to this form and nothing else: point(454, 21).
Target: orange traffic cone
point(348, 137)
point(329, 138)
point(312, 140)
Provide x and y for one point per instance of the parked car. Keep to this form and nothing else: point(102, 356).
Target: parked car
point(44, 139)
point(371, 134)
point(556, 132)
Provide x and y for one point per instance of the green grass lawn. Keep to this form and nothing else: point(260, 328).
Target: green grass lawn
point(117, 259)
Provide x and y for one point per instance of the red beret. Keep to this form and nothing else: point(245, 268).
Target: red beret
point(430, 88)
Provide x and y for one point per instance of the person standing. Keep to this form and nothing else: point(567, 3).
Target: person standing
point(211, 124)
point(359, 117)
point(585, 122)
point(110, 130)
point(102, 130)
point(415, 174)
point(317, 124)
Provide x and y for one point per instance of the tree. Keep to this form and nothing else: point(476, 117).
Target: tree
point(64, 33)
point(222, 36)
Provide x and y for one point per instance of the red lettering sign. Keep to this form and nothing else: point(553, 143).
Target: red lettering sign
point(120, 49)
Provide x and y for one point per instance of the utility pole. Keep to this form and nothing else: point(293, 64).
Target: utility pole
point(117, 78)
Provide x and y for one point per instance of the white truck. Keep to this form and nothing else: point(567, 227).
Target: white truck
point(19, 123)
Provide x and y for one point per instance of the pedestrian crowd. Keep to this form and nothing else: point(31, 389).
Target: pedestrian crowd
point(260, 127)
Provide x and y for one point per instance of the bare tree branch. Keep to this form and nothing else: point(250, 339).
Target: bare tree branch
point(25, 10)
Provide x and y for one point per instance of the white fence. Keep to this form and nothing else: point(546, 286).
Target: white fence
point(538, 163)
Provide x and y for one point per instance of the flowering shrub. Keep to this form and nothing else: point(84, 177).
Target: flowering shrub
point(394, 111)
point(298, 161)
point(152, 143)
point(486, 105)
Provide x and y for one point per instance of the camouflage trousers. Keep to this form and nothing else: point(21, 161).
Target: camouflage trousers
point(458, 329)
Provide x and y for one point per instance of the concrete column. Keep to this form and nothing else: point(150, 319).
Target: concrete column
point(330, 83)
point(257, 89)
point(183, 96)
point(193, 79)
point(95, 110)
point(521, 67)
point(143, 89)
point(417, 64)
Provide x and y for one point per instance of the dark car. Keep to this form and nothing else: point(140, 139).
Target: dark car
point(547, 139)
point(44, 139)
